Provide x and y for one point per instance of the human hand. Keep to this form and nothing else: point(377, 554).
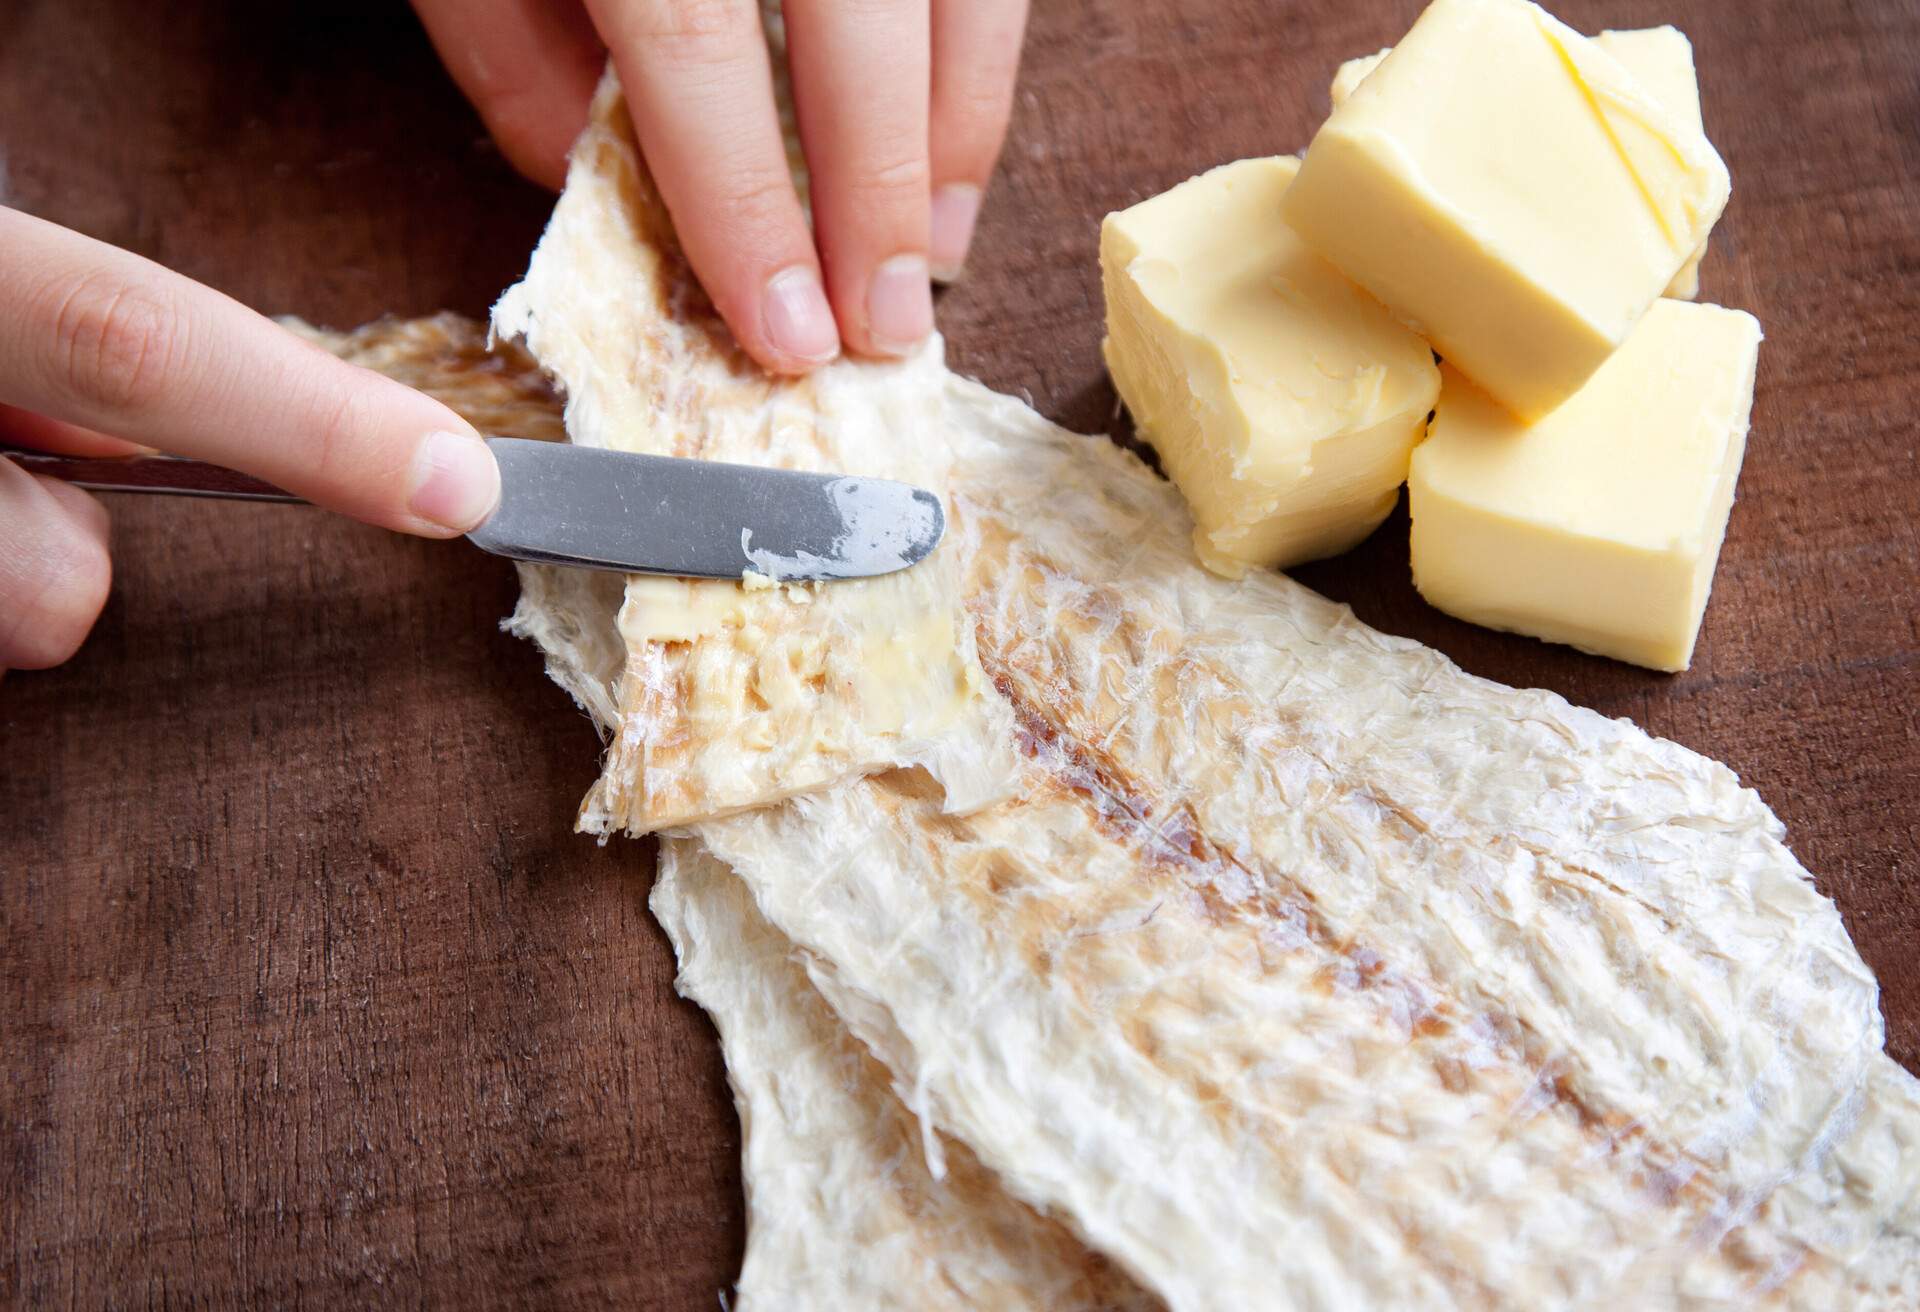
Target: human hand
point(94, 341)
point(902, 106)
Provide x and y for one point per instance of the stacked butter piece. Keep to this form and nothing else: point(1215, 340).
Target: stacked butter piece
point(1532, 205)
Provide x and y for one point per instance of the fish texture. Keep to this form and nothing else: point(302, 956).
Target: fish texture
point(842, 1209)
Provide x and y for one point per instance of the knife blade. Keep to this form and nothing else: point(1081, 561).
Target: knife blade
point(576, 505)
point(613, 510)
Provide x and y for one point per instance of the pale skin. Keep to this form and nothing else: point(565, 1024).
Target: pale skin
point(902, 106)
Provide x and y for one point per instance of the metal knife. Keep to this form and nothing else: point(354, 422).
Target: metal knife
point(574, 505)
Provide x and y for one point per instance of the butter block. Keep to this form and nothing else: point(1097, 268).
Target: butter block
point(1283, 401)
point(1661, 57)
point(1512, 192)
point(1600, 525)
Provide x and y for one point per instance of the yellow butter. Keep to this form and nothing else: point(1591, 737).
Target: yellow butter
point(1600, 525)
point(1283, 400)
point(1512, 192)
point(742, 653)
point(1661, 57)
point(1348, 77)
point(681, 610)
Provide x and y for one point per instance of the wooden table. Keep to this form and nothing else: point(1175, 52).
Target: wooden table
point(308, 995)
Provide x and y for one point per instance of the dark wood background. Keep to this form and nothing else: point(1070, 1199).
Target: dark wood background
point(308, 995)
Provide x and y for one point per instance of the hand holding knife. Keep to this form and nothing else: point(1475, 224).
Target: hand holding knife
point(612, 510)
point(101, 350)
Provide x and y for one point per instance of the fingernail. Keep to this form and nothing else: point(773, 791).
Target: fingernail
point(799, 321)
point(955, 209)
point(456, 483)
point(899, 305)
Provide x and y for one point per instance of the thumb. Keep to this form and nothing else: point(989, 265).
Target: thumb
point(92, 335)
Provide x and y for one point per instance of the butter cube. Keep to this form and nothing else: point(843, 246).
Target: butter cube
point(1600, 525)
point(1661, 57)
point(1283, 401)
point(1512, 192)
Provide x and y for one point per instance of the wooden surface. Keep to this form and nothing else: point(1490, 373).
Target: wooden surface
point(308, 996)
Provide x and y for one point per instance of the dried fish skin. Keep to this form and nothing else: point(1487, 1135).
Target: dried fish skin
point(731, 699)
point(843, 1211)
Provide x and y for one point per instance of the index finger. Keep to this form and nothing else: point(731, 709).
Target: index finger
point(699, 86)
point(95, 336)
point(860, 91)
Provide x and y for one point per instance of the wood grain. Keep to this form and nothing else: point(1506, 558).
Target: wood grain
point(308, 996)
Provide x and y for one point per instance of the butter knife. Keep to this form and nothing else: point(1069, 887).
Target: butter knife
point(612, 510)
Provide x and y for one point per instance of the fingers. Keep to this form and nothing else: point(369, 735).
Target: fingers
point(96, 337)
point(976, 58)
point(700, 91)
point(54, 568)
point(528, 66)
point(860, 88)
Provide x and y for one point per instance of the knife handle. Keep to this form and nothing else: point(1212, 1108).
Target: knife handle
point(166, 475)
